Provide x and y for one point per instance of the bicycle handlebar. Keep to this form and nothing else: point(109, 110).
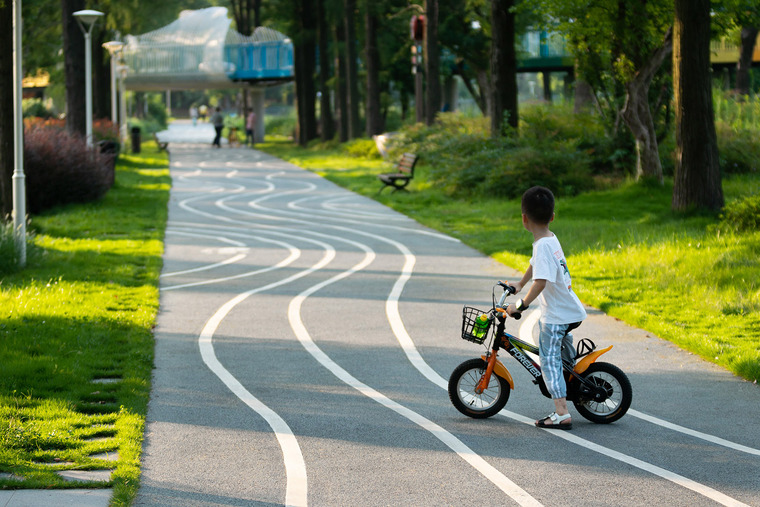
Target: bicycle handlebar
point(508, 291)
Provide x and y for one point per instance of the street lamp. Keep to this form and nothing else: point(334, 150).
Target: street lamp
point(113, 47)
point(86, 20)
point(18, 178)
point(122, 70)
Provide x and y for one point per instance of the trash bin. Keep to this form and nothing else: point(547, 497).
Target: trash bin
point(135, 139)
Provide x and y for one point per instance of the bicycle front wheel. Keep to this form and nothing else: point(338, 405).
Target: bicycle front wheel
point(462, 384)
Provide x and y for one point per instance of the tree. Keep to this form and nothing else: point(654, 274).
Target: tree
point(503, 66)
point(374, 123)
point(73, 53)
point(351, 75)
point(326, 127)
point(620, 46)
point(7, 160)
point(304, 52)
point(743, 66)
point(697, 182)
point(432, 63)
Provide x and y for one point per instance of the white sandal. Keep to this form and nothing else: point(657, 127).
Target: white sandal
point(556, 422)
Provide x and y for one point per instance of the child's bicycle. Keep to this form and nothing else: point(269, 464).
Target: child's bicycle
point(480, 387)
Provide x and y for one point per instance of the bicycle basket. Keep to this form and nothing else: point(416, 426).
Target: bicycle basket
point(470, 331)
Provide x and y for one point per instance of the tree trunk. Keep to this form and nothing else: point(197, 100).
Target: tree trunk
point(374, 119)
point(748, 36)
point(697, 182)
point(352, 79)
point(101, 76)
point(7, 141)
point(326, 123)
point(503, 66)
point(304, 52)
point(340, 74)
point(432, 63)
point(73, 51)
point(638, 117)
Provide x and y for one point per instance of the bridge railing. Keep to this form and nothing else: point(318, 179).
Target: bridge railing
point(260, 60)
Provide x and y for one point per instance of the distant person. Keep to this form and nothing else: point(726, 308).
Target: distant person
point(250, 125)
point(203, 112)
point(194, 114)
point(218, 121)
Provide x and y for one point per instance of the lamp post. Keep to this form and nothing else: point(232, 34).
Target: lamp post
point(86, 20)
point(122, 69)
point(113, 47)
point(19, 179)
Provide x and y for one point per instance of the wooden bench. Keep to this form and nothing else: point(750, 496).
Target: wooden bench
point(161, 145)
point(403, 175)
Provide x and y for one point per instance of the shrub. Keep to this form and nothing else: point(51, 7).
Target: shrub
point(741, 215)
point(361, 148)
point(61, 169)
point(35, 108)
point(463, 159)
point(738, 148)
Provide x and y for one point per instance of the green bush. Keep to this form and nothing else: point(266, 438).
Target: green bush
point(60, 168)
point(361, 148)
point(741, 215)
point(551, 150)
point(739, 149)
point(35, 108)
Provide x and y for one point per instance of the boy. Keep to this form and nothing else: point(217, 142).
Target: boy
point(561, 310)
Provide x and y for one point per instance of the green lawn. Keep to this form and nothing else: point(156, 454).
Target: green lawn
point(674, 275)
point(84, 310)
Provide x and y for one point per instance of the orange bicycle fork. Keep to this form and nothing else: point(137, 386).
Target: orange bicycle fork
point(486, 378)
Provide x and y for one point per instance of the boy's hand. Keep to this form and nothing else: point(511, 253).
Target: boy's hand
point(518, 287)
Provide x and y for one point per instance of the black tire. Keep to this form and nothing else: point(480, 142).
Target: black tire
point(619, 394)
point(462, 390)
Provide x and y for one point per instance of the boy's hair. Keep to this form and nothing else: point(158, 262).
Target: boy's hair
point(538, 204)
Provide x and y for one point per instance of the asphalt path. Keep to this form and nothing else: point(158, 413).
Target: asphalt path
point(304, 341)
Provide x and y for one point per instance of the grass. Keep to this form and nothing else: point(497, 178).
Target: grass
point(83, 310)
point(677, 276)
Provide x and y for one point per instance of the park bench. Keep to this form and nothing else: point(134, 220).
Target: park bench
point(161, 144)
point(404, 172)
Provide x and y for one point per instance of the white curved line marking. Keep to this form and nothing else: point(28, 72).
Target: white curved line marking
point(633, 461)
point(231, 260)
point(295, 467)
point(526, 333)
point(456, 445)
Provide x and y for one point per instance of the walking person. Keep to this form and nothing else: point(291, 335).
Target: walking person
point(218, 121)
point(194, 114)
point(250, 125)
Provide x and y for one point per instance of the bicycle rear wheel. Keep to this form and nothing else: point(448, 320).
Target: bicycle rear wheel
point(462, 384)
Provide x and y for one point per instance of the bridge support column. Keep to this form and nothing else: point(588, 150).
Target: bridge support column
point(257, 99)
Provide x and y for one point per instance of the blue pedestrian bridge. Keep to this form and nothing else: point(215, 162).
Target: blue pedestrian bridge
point(200, 51)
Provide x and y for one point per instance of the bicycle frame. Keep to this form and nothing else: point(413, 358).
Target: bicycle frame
point(517, 348)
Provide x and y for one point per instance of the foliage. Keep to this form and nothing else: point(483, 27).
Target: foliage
point(741, 215)
point(61, 169)
point(9, 254)
point(361, 148)
point(555, 148)
point(83, 310)
point(35, 108)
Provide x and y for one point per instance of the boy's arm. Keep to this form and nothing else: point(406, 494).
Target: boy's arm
point(535, 290)
point(525, 279)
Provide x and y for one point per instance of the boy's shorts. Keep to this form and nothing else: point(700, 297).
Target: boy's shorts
point(555, 344)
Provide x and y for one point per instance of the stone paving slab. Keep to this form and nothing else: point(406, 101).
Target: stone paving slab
point(56, 497)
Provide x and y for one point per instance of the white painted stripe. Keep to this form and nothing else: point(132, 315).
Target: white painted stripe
point(697, 434)
point(456, 445)
point(295, 467)
point(526, 333)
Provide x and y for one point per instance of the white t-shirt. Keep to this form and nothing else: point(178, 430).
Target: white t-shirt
point(559, 304)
